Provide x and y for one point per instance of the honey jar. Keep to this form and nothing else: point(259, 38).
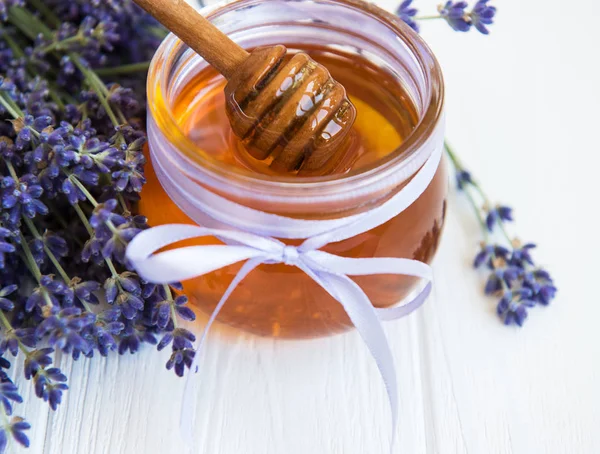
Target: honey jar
point(396, 86)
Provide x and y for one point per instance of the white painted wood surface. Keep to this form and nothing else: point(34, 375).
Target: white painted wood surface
point(523, 112)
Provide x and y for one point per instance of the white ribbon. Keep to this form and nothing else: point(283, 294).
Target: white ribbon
point(249, 236)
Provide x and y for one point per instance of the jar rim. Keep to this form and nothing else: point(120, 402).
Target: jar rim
point(404, 154)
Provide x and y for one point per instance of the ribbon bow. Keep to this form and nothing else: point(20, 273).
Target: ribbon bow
point(330, 271)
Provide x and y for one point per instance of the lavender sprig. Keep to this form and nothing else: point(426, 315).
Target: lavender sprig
point(513, 276)
point(71, 167)
point(456, 14)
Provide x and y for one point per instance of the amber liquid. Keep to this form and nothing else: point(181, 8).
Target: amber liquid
point(279, 300)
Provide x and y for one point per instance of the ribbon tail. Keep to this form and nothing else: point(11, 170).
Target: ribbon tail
point(319, 260)
point(185, 422)
point(364, 317)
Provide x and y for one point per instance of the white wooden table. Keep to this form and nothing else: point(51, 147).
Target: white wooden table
point(523, 112)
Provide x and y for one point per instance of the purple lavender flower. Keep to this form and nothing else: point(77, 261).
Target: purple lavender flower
point(63, 329)
point(11, 339)
point(481, 15)
point(114, 241)
point(463, 178)
point(501, 277)
point(9, 393)
point(513, 275)
point(489, 251)
point(130, 304)
point(81, 292)
point(521, 255)
point(5, 246)
point(49, 386)
point(56, 244)
point(16, 428)
point(7, 86)
point(4, 5)
point(105, 331)
point(104, 212)
point(70, 190)
point(131, 177)
point(455, 15)
point(8, 151)
point(133, 336)
point(182, 339)
point(4, 364)
point(180, 359)
point(182, 310)
point(21, 198)
point(29, 127)
point(502, 213)
point(36, 360)
point(407, 13)
point(510, 311)
point(46, 293)
point(124, 98)
point(6, 304)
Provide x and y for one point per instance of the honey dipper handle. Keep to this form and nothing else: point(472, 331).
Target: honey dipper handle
point(198, 33)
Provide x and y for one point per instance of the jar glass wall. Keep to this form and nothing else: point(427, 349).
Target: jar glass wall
point(279, 300)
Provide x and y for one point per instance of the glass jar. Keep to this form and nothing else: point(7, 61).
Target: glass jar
point(278, 300)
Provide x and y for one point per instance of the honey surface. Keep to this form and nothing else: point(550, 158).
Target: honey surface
point(384, 119)
point(279, 300)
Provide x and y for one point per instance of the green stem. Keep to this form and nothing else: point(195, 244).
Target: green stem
point(96, 87)
point(112, 268)
point(13, 45)
point(458, 166)
point(60, 45)
point(504, 232)
point(47, 12)
point(170, 298)
point(428, 17)
point(63, 274)
point(123, 69)
point(83, 189)
point(453, 157)
point(83, 218)
point(29, 24)
point(36, 234)
point(474, 205)
point(54, 95)
point(11, 170)
point(91, 199)
point(15, 16)
point(8, 105)
point(477, 211)
point(123, 203)
point(29, 260)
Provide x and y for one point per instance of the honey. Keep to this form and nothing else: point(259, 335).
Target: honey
point(279, 300)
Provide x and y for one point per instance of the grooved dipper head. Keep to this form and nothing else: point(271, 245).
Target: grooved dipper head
point(291, 113)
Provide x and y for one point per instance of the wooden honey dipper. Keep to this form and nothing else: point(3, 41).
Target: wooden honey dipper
point(292, 113)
